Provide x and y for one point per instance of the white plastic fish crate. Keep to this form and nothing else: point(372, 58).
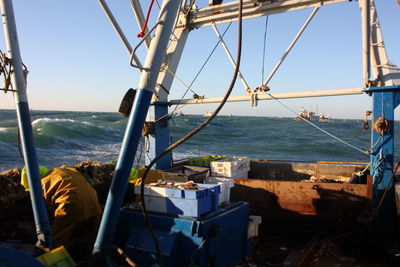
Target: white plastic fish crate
point(181, 202)
point(236, 167)
point(226, 185)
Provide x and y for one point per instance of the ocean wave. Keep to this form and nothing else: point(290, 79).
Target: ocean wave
point(72, 156)
point(6, 148)
point(49, 120)
point(68, 130)
point(71, 137)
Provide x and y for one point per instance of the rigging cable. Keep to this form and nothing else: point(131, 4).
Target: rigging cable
point(202, 67)
point(192, 133)
point(176, 22)
point(265, 44)
point(179, 79)
point(319, 128)
point(171, 72)
point(172, 112)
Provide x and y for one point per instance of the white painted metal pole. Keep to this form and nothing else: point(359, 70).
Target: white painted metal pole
point(134, 126)
point(366, 39)
point(115, 25)
point(138, 11)
point(39, 209)
point(385, 72)
point(227, 12)
point(246, 86)
point(119, 31)
point(11, 38)
point(305, 94)
point(291, 46)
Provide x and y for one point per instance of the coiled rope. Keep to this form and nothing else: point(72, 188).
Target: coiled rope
point(382, 127)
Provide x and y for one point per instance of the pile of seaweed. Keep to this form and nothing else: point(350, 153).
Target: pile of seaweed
point(16, 217)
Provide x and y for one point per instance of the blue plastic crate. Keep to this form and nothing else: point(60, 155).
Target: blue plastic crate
point(218, 238)
point(214, 192)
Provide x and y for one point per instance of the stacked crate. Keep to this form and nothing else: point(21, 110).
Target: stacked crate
point(225, 183)
point(235, 167)
point(181, 201)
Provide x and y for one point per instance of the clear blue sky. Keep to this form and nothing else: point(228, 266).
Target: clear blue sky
point(77, 62)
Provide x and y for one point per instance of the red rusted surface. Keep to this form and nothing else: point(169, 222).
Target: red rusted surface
point(297, 171)
point(295, 202)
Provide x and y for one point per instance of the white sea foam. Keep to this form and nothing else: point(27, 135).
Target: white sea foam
point(49, 120)
point(4, 129)
point(186, 155)
point(88, 123)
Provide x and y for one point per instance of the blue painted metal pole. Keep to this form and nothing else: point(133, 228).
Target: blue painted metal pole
point(24, 124)
point(161, 139)
point(385, 100)
point(134, 128)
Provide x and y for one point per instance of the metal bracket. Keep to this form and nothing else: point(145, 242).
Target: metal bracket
point(133, 55)
point(8, 90)
point(382, 89)
point(254, 99)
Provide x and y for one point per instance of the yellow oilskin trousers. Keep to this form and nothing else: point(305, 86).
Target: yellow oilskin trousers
point(72, 203)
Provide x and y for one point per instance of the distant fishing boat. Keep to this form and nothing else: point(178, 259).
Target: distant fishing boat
point(180, 113)
point(207, 114)
point(312, 116)
point(307, 115)
point(324, 117)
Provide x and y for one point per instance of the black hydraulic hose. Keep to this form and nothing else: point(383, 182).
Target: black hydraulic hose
point(192, 133)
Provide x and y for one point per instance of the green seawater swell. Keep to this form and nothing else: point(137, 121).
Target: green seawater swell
point(69, 137)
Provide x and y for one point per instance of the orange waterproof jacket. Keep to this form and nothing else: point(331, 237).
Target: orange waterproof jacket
point(70, 200)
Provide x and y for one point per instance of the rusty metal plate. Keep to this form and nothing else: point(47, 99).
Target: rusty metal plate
point(284, 204)
point(300, 197)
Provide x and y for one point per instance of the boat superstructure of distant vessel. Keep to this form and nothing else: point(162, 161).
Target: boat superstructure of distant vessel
point(324, 117)
point(307, 115)
point(207, 114)
point(312, 116)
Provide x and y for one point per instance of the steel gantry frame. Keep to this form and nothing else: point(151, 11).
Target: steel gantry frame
point(164, 52)
point(191, 17)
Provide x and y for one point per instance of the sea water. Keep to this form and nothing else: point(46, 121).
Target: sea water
point(71, 137)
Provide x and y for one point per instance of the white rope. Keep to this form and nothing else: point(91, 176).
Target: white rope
point(319, 128)
point(179, 79)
